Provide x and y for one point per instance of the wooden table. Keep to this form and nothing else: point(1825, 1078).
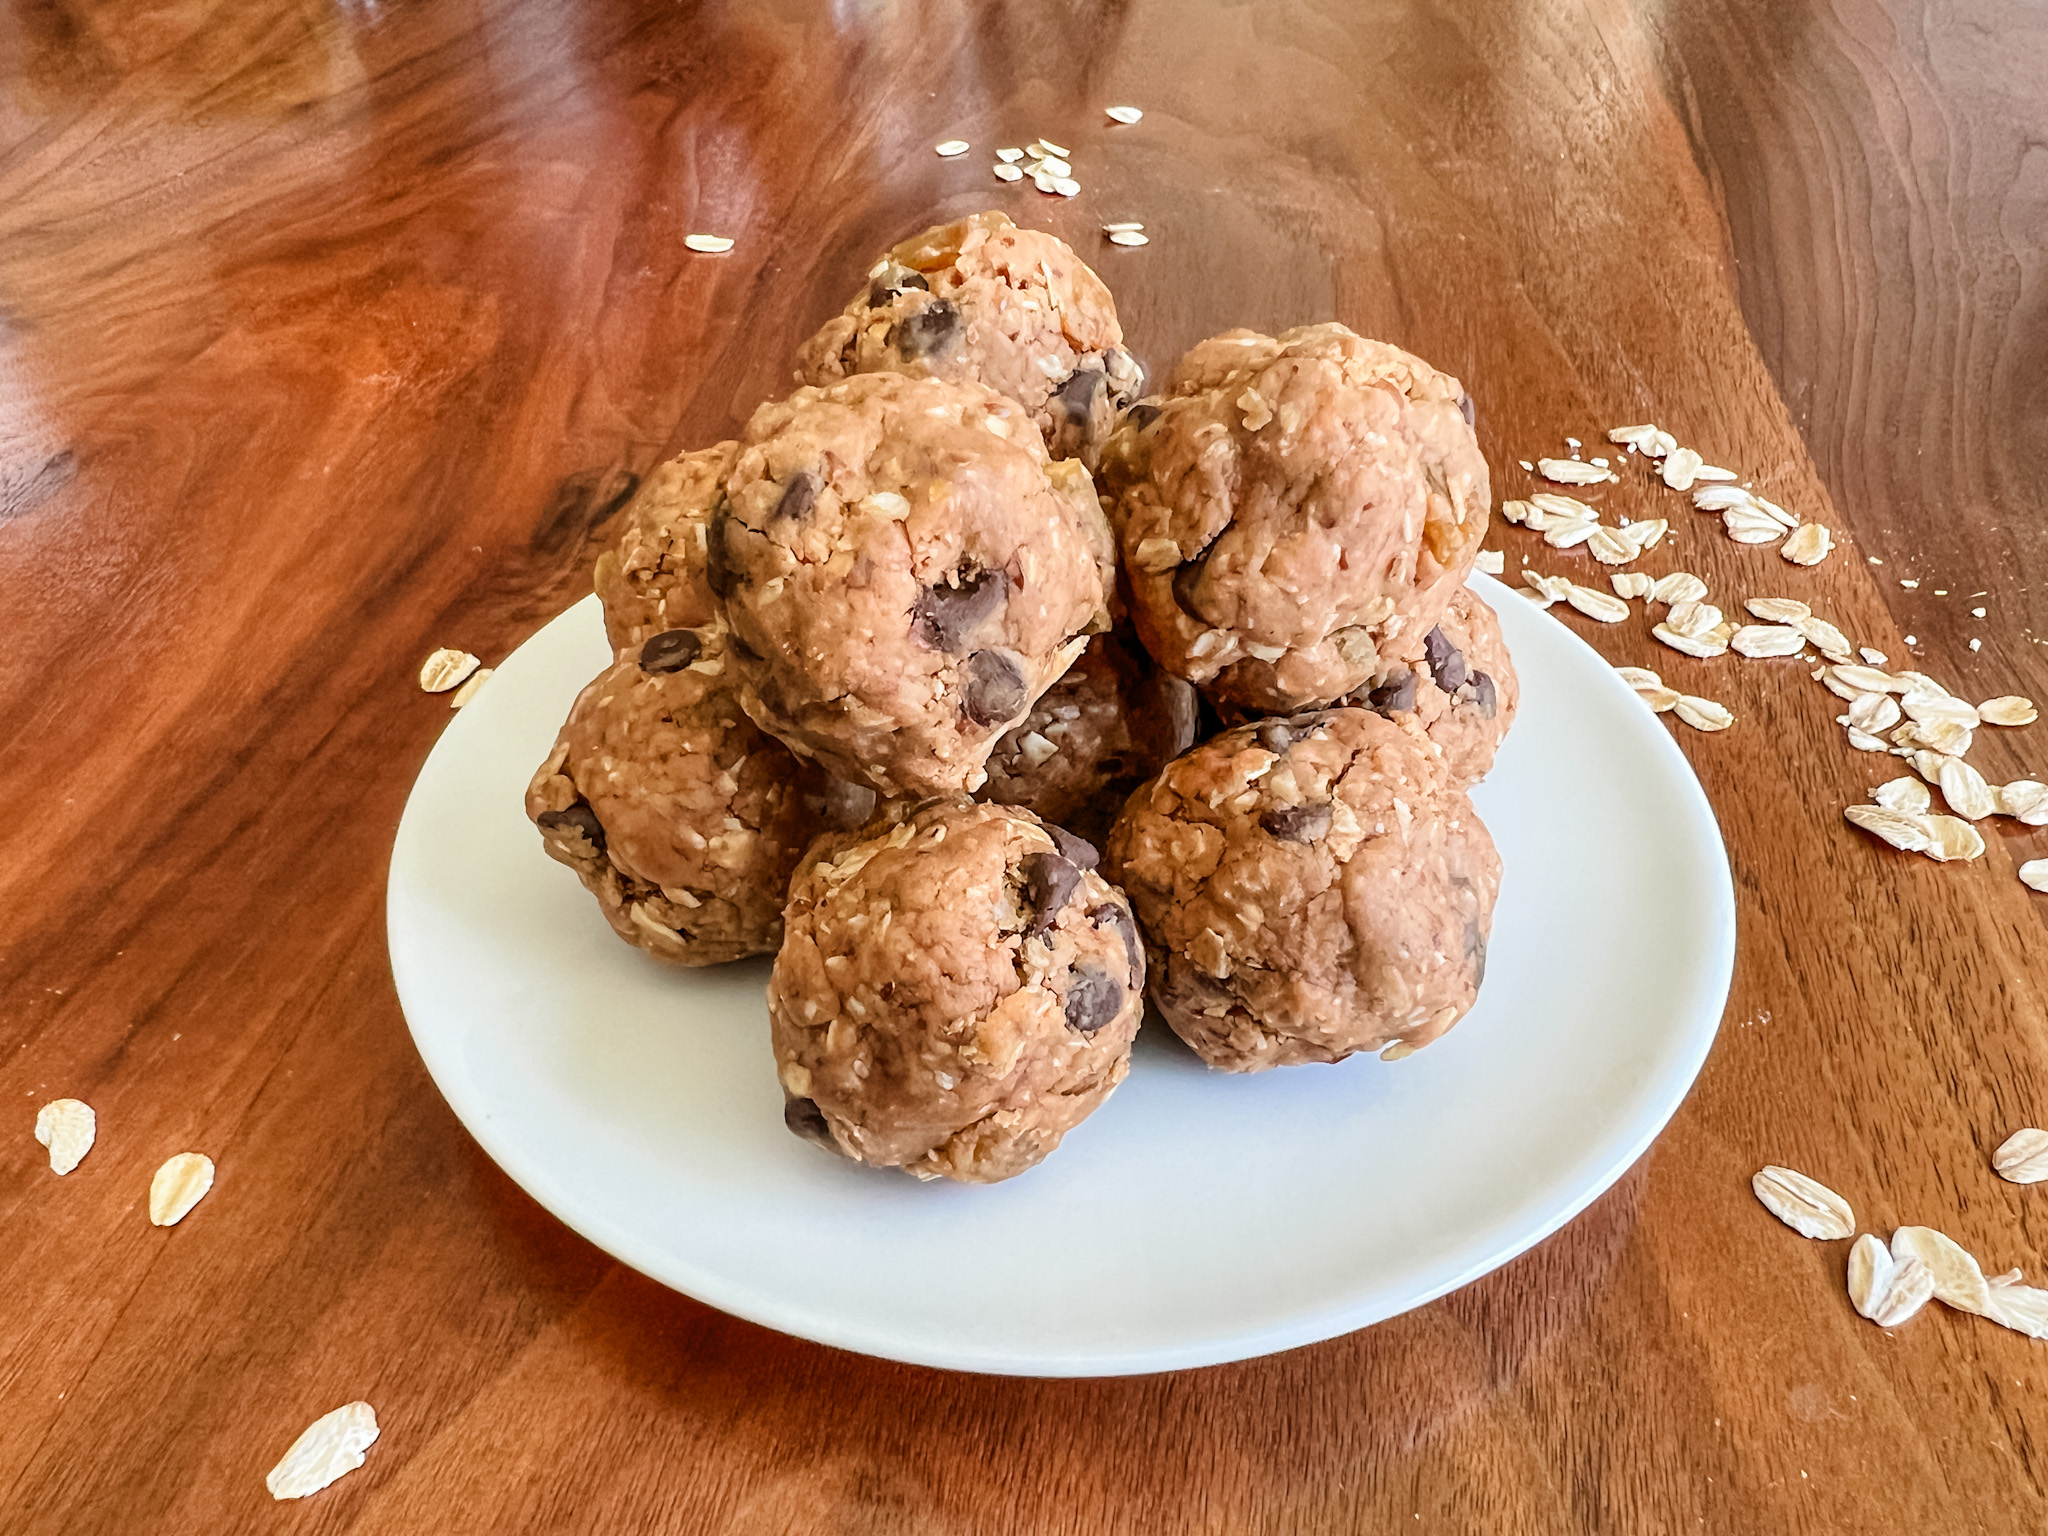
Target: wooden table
point(329, 335)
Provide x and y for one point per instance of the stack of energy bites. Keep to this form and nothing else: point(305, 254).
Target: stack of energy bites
point(891, 667)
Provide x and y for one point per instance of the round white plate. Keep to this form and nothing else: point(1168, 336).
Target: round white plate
point(1197, 1217)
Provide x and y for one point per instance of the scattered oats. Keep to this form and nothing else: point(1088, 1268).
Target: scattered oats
point(1692, 619)
point(1908, 585)
point(1053, 149)
point(1595, 604)
point(1678, 587)
point(1574, 444)
point(2022, 1308)
point(1976, 613)
point(1872, 712)
point(1647, 532)
point(66, 1127)
point(1875, 658)
point(1778, 610)
point(1634, 437)
point(2034, 874)
point(1808, 544)
point(1714, 472)
point(1639, 677)
point(1976, 645)
point(1868, 679)
point(1572, 472)
point(1110, 229)
point(1964, 789)
point(1514, 511)
point(1630, 584)
point(1943, 736)
point(1758, 640)
point(331, 1446)
point(708, 245)
point(1569, 507)
point(1950, 839)
point(953, 147)
point(1774, 512)
point(2026, 800)
point(445, 668)
point(1883, 1289)
point(1930, 708)
point(1958, 1279)
point(1805, 1205)
point(1711, 644)
point(1130, 237)
point(1912, 639)
point(1546, 589)
point(1491, 561)
point(1681, 467)
point(1007, 172)
point(1827, 639)
point(1863, 741)
point(178, 1186)
point(1904, 830)
point(469, 689)
point(1066, 186)
point(1746, 525)
point(1705, 715)
point(2008, 709)
point(2022, 1158)
point(1611, 546)
point(1926, 763)
point(1053, 166)
point(1564, 533)
point(1721, 498)
point(1526, 465)
point(1902, 794)
point(1124, 114)
point(1009, 156)
point(1602, 463)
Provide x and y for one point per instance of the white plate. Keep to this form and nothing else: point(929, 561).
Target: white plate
point(1196, 1217)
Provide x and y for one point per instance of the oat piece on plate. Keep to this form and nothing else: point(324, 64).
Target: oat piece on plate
point(955, 992)
point(1309, 888)
point(981, 301)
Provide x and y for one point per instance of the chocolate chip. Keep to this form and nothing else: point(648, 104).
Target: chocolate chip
point(1276, 736)
point(1465, 410)
point(718, 572)
point(893, 280)
point(1093, 999)
point(995, 688)
point(1185, 579)
point(1117, 913)
point(1077, 850)
point(739, 647)
point(1484, 695)
point(1083, 388)
point(1475, 949)
point(945, 616)
point(928, 330)
point(1446, 661)
point(579, 819)
point(1048, 881)
point(1297, 823)
point(671, 651)
point(805, 1119)
point(1394, 696)
point(799, 496)
point(1142, 415)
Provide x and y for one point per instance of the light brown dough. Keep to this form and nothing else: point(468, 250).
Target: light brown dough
point(981, 301)
point(1295, 513)
point(1462, 690)
point(1308, 888)
point(904, 574)
point(955, 992)
point(652, 578)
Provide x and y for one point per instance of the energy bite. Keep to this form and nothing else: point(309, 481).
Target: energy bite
point(981, 301)
point(954, 993)
point(1462, 691)
point(904, 573)
point(652, 578)
point(1308, 888)
point(1098, 733)
point(1295, 513)
point(673, 808)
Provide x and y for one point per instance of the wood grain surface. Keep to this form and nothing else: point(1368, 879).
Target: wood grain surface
point(330, 334)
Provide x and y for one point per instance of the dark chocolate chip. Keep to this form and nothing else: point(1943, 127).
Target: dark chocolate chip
point(1475, 949)
point(1446, 661)
point(805, 1119)
point(671, 651)
point(1093, 999)
point(1465, 410)
point(925, 332)
point(1185, 578)
point(1117, 913)
point(1142, 415)
point(1396, 695)
point(718, 572)
point(995, 688)
point(578, 818)
point(1297, 823)
point(739, 647)
point(946, 616)
point(1077, 850)
point(1048, 881)
point(1084, 386)
point(896, 279)
point(799, 496)
point(1276, 736)
point(1484, 696)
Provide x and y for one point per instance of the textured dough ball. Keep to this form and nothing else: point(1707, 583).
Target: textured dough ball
point(1295, 513)
point(1094, 736)
point(1462, 691)
point(675, 811)
point(981, 301)
point(904, 574)
point(652, 578)
point(955, 993)
point(1308, 888)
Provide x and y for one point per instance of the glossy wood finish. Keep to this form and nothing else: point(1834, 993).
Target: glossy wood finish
point(328, 335)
